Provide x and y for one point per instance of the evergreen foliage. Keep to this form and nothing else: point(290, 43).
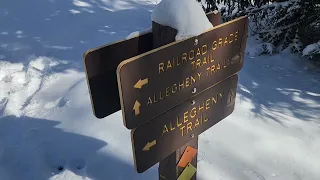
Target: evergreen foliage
point(283, 24)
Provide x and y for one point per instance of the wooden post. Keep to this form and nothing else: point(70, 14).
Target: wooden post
point(168, 169)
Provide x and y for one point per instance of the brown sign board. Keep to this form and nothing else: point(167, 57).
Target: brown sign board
point(160, 137)
point(101, 64)
point(158, 80)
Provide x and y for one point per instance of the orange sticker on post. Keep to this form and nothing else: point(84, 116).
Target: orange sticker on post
point(187, 156)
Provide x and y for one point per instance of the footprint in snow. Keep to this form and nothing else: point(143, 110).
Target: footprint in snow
point(78, 165)
point(3, 104)
point(3, 101)
point(52, 160)
point(55, 163)
point(7, 79)
point(60, 102)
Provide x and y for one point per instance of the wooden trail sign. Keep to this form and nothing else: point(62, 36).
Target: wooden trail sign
point(101, 64)
point(163, 135)
point(158, 80)
point(169, 92)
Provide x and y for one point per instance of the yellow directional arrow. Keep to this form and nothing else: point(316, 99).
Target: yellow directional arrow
point(141, 83)
point(149, 145)
point(136, 108)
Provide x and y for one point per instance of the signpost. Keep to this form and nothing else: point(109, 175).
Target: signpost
point(169, 91)
point(160, 79)
point(101, 64)
point(160, 137)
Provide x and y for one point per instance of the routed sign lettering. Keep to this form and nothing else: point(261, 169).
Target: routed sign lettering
point(160, 79)
point(163, 135)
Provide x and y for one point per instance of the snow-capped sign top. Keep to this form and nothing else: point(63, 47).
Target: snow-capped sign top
point(186, 16)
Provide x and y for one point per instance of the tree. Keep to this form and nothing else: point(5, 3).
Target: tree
point(293, 24)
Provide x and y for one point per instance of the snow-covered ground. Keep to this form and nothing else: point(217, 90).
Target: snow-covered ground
point(48, 130)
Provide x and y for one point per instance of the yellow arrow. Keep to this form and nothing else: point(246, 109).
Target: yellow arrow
point(149, 145)
point(136, 108)
point(141, 83)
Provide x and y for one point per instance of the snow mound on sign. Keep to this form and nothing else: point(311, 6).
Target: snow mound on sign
point(186, 16)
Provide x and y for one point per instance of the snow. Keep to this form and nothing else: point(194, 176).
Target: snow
point(81, 3)
point(138, 33)
point(311, 48)
point(74, 11)
point(186, 16)
point(260, 48)
point(48, 130)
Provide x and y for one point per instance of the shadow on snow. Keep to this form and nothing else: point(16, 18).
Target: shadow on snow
point(278, 86)
point(33, 148)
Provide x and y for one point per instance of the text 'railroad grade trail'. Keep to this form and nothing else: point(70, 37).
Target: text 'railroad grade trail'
point(179, 125)
point(160, 79)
